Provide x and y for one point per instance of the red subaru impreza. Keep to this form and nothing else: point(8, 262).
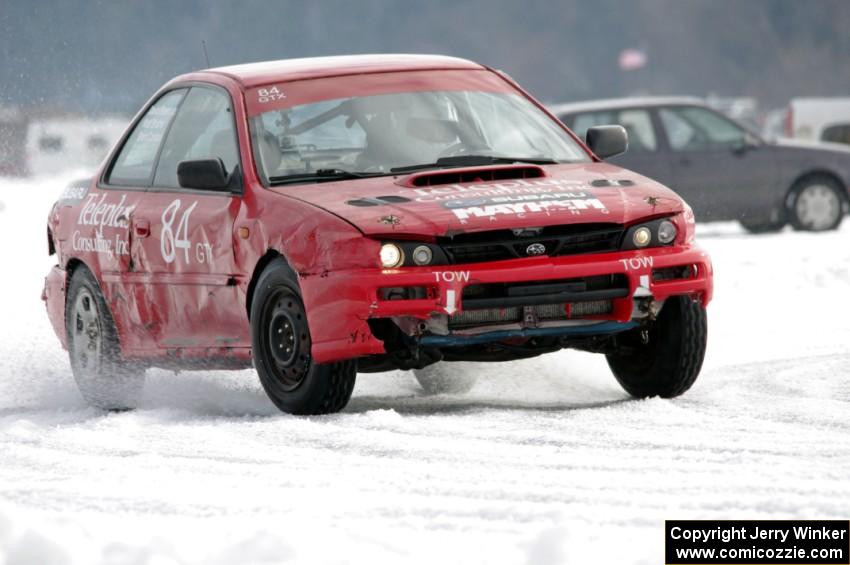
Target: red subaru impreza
point(323, 217)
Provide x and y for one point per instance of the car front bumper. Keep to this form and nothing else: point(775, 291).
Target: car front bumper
point(340, 303)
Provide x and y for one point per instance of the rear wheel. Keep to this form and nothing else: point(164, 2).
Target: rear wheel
point(104, 379)
point(665, 359)
point(281, 343)
point(816, 204)
point(445, 378)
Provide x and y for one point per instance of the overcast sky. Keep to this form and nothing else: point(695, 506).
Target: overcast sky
point(110, 56)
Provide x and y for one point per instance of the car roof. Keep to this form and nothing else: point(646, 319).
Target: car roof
point(267, 72)
point(616, 103)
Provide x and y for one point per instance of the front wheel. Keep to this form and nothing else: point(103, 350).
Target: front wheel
point(665, 359)
point(281, 343)
point(816, 204)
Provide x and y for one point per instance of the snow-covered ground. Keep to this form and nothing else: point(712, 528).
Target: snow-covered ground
point(545, 461)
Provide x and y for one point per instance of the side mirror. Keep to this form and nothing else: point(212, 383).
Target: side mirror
point(748, 143)
point(607, 141)
point(203, 174)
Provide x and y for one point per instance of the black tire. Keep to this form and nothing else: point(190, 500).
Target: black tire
point(816, 203)
point(281, 344)
point(104, 379)
point(669, 361)
point(445, 378)
point(763, 226)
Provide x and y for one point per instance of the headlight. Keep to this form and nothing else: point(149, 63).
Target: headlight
point(642, 236)
point(422, 255)
point(391, 256)
point(666, 232)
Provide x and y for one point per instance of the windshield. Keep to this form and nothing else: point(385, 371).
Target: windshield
point(376, 134)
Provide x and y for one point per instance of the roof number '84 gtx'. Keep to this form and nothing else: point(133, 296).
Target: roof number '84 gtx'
point(322, 217)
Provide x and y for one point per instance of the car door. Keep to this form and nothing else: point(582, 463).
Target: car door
point(108, 216)
point(188, 250)
point(644, 155)
point(722, 170)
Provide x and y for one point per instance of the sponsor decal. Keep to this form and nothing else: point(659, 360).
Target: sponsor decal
point(99, 244)
point(513, 188)
point(520, 209)
point(75, 192)
point(519, 197)
point(98, 211)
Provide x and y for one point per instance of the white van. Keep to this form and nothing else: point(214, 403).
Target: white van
point(819, 119)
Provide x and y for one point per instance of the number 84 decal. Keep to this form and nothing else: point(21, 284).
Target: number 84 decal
point(173, 238)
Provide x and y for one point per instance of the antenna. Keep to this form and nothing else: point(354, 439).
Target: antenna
point(206, 55)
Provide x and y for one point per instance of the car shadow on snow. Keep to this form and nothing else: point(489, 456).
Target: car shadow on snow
point(238, 394)
point(458, 404)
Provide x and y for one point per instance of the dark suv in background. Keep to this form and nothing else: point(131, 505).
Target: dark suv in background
point(724, 170)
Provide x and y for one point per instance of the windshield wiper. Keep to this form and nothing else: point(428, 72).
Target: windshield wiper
point(472, 161)
point(322, 175)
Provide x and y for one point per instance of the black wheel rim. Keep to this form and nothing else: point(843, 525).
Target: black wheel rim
point(286, 340)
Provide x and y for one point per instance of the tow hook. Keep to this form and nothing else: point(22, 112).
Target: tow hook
point(529, 317)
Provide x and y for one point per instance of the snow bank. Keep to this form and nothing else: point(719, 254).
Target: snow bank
point(544, 461)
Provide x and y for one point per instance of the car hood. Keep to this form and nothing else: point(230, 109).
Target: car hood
point(451, 201)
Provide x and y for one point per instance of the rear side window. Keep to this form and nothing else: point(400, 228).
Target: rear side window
point(837, 134)
point(637, 122)
point(203, 129)
point(135, 163)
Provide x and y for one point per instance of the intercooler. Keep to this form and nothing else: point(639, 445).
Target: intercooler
point(534, 313)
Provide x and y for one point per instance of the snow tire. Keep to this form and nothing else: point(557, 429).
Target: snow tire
point(282, 343)
point(104, 378)
point(665, 359)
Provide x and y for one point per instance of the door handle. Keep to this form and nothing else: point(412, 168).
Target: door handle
point(142, 228)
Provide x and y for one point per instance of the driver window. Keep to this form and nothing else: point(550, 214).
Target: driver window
point(637, 123)
point(695, 129)
point(202, 129)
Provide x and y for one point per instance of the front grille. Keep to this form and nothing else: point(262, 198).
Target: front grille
point(499, 245)
point(538, 313)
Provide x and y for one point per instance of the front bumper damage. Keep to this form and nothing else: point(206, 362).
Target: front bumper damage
point(440, 308)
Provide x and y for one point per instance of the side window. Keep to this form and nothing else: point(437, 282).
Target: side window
point(695, 129)
point(583, 122)
point(637, 122)
point(203, 128)
point(135, 162)
point(837, 134)
point(638, 125)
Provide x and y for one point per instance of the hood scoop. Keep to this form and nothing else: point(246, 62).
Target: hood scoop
point(480, 174)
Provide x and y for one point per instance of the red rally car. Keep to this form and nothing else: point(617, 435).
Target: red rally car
point(323, 217)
